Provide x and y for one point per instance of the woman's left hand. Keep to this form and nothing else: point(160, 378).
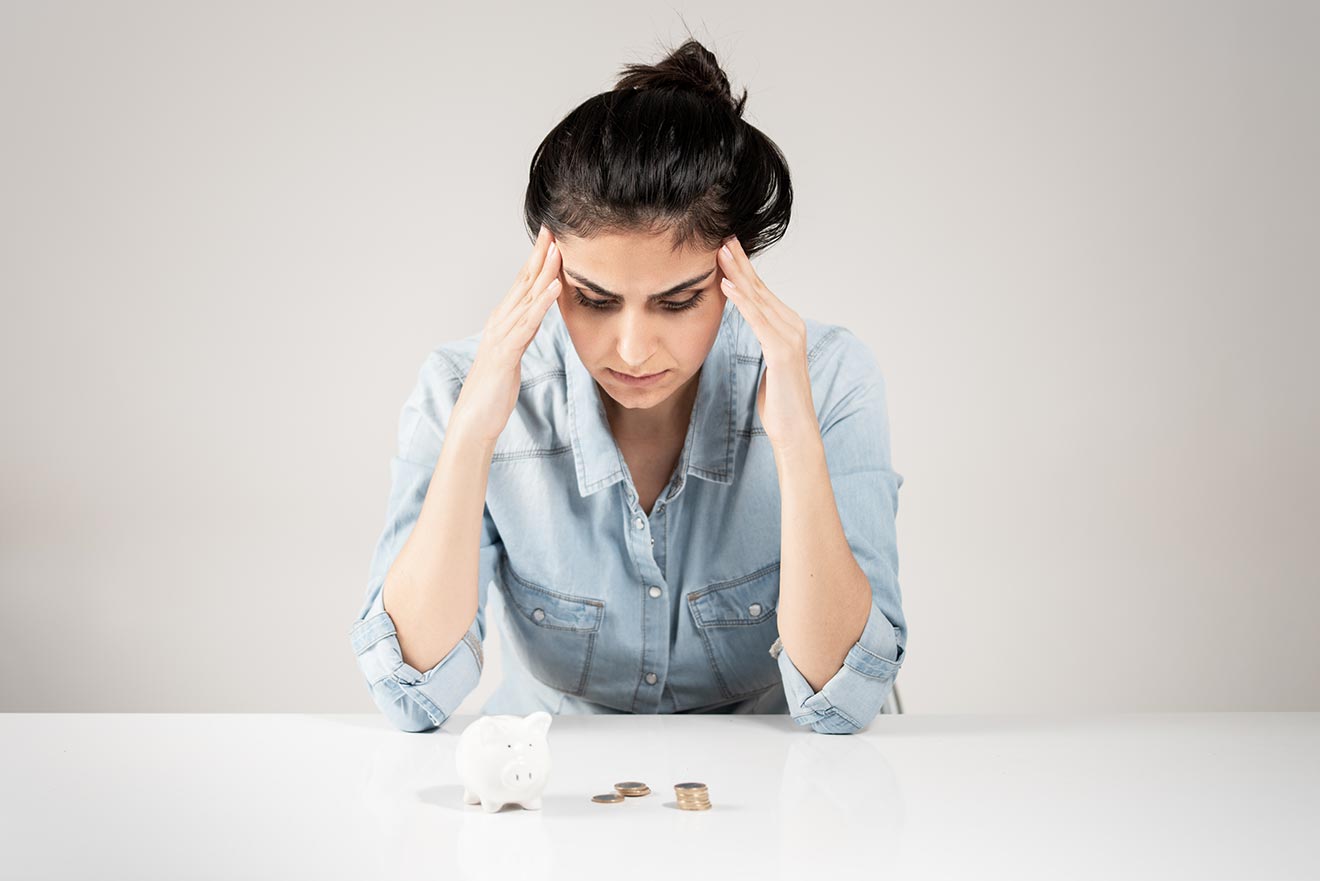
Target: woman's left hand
point(784, 400)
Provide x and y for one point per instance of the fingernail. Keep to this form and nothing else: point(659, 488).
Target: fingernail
point(551, 252)
point(727, 252)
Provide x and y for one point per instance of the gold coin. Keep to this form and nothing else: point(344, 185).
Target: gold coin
point(692, 796)
point(633, 788)
point(608, 798)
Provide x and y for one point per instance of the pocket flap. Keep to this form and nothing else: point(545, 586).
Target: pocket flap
point(549, 608)
point(750, 599)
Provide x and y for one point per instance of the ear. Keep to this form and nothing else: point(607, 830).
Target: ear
point(538, 723)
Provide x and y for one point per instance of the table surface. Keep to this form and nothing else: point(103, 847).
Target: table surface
point(1186, 795)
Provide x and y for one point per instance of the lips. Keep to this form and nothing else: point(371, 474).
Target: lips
point(631, 379)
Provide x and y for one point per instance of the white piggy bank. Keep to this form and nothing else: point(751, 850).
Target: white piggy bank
point(504, 760)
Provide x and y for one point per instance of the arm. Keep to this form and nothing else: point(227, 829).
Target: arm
point(841, 624)
point(824, 597)
point(426, 596)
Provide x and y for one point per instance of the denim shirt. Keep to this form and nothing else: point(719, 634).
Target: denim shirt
point(609, 609)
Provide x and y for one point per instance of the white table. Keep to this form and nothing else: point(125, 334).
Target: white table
point(305, 796)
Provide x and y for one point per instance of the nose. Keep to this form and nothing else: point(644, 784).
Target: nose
point(637, 342)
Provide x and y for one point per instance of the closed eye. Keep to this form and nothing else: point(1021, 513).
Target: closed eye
point(605, 305)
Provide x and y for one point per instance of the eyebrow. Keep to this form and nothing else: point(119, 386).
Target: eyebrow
point(588, 283)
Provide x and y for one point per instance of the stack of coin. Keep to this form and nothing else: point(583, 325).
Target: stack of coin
point(632, 788)
point(692, 796)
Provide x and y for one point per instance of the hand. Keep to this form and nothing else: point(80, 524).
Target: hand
point(490, 391)
point(783, 400)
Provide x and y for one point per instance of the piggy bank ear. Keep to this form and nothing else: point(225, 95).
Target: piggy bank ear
point(538, 723)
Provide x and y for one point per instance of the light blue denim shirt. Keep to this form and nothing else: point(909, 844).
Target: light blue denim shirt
point(609, 609)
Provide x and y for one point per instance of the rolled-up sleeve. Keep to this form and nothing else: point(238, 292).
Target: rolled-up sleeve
point(411, 699)
point(855, 432)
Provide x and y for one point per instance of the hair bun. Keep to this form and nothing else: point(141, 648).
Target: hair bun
point(690, 68)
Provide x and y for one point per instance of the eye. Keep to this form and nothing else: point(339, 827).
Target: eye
point(608, 304)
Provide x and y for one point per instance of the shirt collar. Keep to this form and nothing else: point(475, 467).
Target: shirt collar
point(708, 450)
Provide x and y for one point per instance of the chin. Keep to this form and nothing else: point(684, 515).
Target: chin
point(638, 398)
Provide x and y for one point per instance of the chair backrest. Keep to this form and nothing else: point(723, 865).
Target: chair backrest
point(893, 703)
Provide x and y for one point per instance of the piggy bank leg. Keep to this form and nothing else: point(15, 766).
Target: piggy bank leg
point(491, 807)
point(533, 805)
point(470, 797)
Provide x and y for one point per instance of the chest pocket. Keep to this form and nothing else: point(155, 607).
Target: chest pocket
point(736, 620)
point(557, 632)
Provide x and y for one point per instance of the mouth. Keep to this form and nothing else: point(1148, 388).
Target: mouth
point(629, 379)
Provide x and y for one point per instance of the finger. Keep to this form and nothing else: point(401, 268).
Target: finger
point(757, 289)
point(532, 297)
point(528, 320)
point(748, 289)
point(527, 275)
point(755, 316)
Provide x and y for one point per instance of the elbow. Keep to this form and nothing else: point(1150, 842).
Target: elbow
point(832, 721)
point(404, 711)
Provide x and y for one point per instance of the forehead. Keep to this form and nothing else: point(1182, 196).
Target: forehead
point(634, 264)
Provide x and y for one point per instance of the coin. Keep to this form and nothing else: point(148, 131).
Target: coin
point(632, 788)
point(608, 798)
point(692, 796)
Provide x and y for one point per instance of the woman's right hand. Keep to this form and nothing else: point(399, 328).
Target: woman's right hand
point(490, 391)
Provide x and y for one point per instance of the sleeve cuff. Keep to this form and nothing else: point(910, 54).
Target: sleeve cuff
point(413, 700)
point(853, 696)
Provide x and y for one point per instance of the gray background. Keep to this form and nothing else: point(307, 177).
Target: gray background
point(1080, 240)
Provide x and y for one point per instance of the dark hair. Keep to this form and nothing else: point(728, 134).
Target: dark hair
point(666, 150)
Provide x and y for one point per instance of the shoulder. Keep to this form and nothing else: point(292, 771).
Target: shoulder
point(450, 362)
point(839, 362)
point(446, 366)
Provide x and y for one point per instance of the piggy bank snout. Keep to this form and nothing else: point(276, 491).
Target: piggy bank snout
point(521, 774)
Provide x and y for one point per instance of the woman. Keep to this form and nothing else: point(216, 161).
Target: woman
point(681, 489)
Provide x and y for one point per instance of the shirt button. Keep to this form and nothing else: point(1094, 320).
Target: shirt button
point(651, 678)
point(754, 609)
point(538, 615)
point(639, 522)
point(654, 591)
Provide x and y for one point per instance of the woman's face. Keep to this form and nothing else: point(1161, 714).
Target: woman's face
point(608, 280)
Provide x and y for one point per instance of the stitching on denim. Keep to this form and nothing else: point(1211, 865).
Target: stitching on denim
point(714, 666)
point(695, 598)
point(586, 668)
point(418, 699)
point(820, 344)
point(563, 597)
point(863, 648)
point(455, 369)
point(849, 719)
point(475, 645)
point(514, 455)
